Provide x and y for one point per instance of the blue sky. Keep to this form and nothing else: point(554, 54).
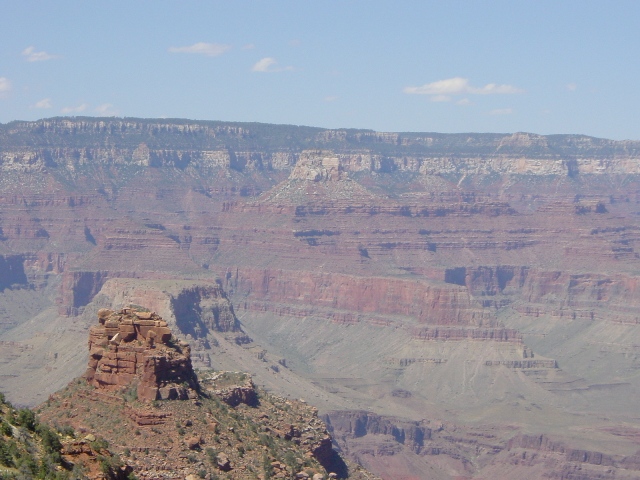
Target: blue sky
point(448, 66)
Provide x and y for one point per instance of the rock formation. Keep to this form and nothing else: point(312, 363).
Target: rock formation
point(133, 348)
point(317, 166)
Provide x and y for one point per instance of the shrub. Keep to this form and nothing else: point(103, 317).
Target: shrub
point(99, 444)
point(267, 467)
point(50, 443)
point(5, 429)
point(6, 458)
point(211, 455)
point(66, 430)
point(131, 395)
point(27, 465)
point(26, 418)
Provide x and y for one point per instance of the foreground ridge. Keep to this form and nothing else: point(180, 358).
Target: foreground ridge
point(225, 428)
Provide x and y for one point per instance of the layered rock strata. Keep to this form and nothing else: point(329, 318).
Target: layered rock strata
point(469, 451)
point(460, 255)
point(133, 348)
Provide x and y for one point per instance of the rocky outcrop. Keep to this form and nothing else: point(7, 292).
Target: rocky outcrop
point(316, 166)
point(98, 463)
point(133, 349)
point(233, 393)
point(145, 417)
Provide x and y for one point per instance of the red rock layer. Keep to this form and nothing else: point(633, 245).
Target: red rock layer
point(428, 303)
point(133, 349)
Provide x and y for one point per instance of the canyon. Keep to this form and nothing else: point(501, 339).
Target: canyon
point(455, 305)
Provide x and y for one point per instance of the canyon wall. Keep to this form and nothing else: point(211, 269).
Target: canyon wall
point(34, 146)
point(462, 275)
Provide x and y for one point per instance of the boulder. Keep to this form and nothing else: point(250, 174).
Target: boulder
point(223, 462)
point(193, 443)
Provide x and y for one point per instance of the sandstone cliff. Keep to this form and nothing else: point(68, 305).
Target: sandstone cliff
point(133, 348)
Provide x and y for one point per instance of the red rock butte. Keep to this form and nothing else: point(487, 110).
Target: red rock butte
point(134, 349)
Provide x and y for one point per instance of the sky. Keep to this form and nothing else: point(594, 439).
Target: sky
point(540, 66)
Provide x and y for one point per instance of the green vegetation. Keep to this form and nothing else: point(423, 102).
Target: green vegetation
point(99, 444)
point(26, 418)
point(28, 449)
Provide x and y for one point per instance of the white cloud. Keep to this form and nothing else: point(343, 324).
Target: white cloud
point(264, 64)
point(460, 86)
point(33, 56)
point(463, 101)
point(268, 64)
point(450, 86)
point(248, 46)
point(330, 98)
point(440, 98)
point(495, 89)
point(106, 109)
point(44, 103)
point(78, 109)
point(572, 87)
point(501, 111)
point(202, 48)
point(5, 86)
